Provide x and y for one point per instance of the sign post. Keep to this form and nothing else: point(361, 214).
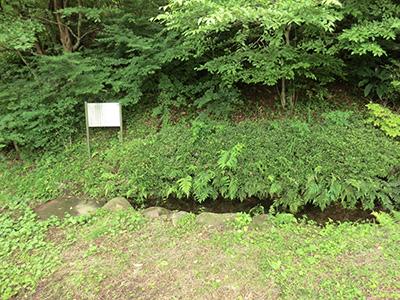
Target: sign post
point(102, 115)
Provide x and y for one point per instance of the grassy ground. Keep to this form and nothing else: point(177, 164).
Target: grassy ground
point(124, 256)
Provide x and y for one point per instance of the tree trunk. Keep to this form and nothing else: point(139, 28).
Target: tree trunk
point(284, 83)
point(65, 36)
point(26, 64)
point(283, 93)
point(39, 48)
point(17, 150)
point(79, 33)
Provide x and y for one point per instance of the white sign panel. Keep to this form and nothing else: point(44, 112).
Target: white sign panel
point(104, 114)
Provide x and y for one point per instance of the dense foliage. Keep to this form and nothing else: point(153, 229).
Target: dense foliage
point(385, 119)
point(291, 161)
point(294, 162)
point(191, 54)
point(224, 82)
point(202, 59)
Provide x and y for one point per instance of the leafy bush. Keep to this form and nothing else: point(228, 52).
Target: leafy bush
point(386, 120)
point(258, 42)
point(375, 82)
point(370, 37)
point(195, 55)
point(290, 161)
point(293, 162)
point(47, 110)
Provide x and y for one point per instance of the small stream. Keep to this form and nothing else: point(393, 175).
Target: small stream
point(74, 206)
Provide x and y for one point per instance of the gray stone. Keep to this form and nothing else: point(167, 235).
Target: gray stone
point(214, 219)
point(258, 221)
point(178, 215)
point(66, 205)
point(156, 212)
point(117, 204)
point(86, 208)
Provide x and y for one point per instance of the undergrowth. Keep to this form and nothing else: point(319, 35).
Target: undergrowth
point(292, 161)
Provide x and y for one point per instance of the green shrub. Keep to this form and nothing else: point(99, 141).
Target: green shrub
point(46, 111)
point(384, 119)
point(290, 161)
point(293, 162)
point(258, 42)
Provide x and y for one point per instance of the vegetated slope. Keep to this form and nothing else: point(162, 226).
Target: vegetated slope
point(192, 55)
point(341, 159)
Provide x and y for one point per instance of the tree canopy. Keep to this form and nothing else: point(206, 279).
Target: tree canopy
point(197, 54)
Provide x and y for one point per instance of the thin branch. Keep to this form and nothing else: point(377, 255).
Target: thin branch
point(79, 18)
point(79, 37)
point(78, 42)
point(56, 23)
point(27, 64)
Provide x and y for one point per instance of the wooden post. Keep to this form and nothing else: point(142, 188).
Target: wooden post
point(121, 137)
point(87, 130)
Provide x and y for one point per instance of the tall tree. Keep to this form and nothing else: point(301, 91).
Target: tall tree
point(259, 42)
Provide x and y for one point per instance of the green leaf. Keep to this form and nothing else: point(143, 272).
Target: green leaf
point(185, 184)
